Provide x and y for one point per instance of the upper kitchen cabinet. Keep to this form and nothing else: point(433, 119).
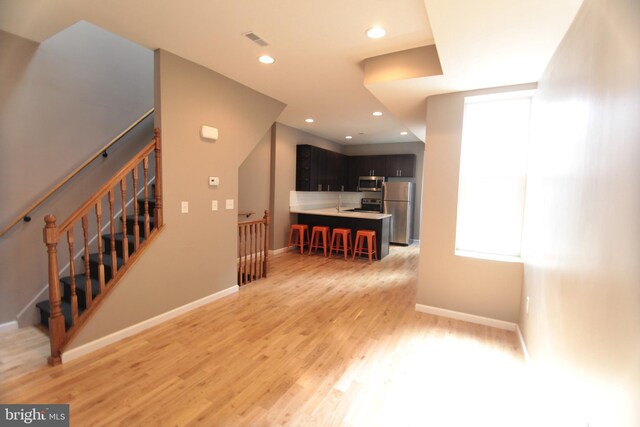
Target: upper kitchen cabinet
point(400, 165)
point(320, 170)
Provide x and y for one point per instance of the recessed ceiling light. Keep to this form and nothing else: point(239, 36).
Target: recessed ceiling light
point(404, 133)
point(348, 137)
point(376, 32)
point(266, 59)
point(309, 120)
point(377, 113)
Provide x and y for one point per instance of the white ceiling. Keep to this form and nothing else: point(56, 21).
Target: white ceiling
point(320, 46)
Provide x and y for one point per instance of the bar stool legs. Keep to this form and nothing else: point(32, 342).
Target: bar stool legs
point(343, 234)
point(370, 236)
point(316, 232)
point(297, 235)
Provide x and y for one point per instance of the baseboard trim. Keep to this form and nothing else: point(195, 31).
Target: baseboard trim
point(92, 346)
point(480, 320)
point(523, 345)
point(278, 251)
point(9, 326)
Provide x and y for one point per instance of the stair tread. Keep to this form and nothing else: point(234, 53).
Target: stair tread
point(106, 259)
point(81, 283)
point(66, 311)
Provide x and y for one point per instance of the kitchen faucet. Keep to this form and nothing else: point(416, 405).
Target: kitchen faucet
point(339, 202)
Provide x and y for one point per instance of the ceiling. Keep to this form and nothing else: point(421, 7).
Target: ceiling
point(321, 49)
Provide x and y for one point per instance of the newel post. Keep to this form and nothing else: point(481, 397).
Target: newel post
point(158, 195)
point(266, 243)
point(56, 319)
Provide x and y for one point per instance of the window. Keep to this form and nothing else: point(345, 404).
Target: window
point(493, 160)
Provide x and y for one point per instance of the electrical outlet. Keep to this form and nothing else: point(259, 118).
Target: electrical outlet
point(229, 204)
point(526, 306)
point(185, 207)
point(214, 205)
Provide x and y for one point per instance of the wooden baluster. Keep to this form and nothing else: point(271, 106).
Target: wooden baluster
point(158, 193)
point(145, 168)
point(248, 252)
point(250, 261)
point(72, 273)
point(136, 226)
point(56, 320)
point(245, 254)
point(112, 230)
point(100, 249)
point(254, 261)
point(87, 267)
point(239, 262)
point(125, 238)
point(266, 243)
point(261, 228)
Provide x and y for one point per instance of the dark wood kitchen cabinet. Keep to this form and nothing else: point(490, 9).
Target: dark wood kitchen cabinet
point(318, 169)
point(400, 165)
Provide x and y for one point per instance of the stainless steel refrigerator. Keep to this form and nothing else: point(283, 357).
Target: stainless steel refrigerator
point(398, 201)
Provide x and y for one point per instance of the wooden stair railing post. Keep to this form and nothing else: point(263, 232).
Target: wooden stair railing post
point(158, 193)
point(56, 320)
point(266, 243)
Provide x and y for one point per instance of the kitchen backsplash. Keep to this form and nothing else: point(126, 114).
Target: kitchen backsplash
point(327, 199)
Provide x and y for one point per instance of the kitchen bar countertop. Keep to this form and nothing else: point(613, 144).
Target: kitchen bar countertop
point(343, 213)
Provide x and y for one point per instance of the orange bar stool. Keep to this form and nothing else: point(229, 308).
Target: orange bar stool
point(370, 236)
point(316, 232)
point(338, 235)
point(299, 235)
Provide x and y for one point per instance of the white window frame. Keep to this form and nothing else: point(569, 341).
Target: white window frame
point(480, 176)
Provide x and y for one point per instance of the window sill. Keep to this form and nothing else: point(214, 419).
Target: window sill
point(490, 257)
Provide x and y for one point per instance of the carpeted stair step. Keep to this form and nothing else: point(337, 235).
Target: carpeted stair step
point(45, 311)
point(152, 206)
point(131, 220)
point(106, 261)
point(81, 286)
point(118, 237)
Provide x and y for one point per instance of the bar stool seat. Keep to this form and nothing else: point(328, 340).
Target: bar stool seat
point(370, 236)
point(338, 236)
point(298, 236)
point(316, 232)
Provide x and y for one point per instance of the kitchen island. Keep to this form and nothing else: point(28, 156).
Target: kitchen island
point(380, 223)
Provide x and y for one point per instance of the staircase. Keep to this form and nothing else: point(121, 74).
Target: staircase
point(133, 217)
point(81, 280)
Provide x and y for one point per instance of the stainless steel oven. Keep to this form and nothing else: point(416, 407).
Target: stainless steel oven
point(370, 183)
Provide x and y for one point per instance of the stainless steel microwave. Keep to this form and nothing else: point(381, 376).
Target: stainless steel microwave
point(370, 183)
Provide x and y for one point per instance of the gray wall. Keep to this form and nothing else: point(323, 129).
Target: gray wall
point(416, 148)
point(582, 222)
point(60, 102)
point(194, 256)
point(254, 180)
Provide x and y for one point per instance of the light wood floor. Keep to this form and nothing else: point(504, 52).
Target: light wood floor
point(319, 343)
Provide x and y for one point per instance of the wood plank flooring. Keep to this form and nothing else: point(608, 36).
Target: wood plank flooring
point(321, 342)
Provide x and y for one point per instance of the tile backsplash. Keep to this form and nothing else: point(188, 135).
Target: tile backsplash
point(326, 199)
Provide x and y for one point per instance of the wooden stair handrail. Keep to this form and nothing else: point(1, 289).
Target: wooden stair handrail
point(59, 336)
point(25, 214)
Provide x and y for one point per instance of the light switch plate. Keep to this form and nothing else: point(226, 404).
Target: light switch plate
point(214, 181)
point(185, 207)
point(214, 205)
point(229, 204)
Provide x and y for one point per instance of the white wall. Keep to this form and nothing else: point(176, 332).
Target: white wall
point(582, 223)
